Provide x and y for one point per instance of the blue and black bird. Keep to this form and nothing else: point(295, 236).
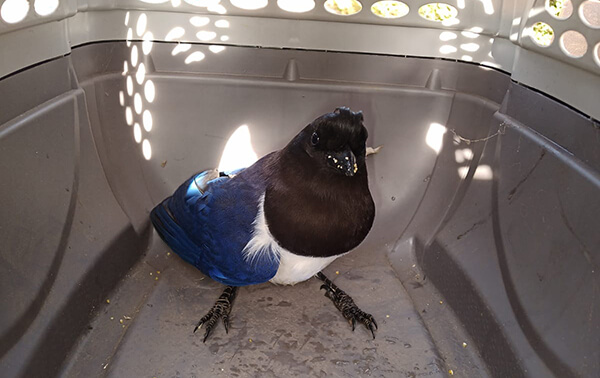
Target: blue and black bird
point(283, 219)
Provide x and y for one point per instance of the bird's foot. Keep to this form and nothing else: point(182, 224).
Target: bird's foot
point(346, 305)
point(221, 309)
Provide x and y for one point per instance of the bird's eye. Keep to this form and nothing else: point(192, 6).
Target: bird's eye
point(314, 139)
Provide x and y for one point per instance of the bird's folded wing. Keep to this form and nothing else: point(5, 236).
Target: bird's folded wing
point(209, 228)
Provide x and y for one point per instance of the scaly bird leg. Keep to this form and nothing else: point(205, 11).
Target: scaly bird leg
point(221, 309)
point(346, 305)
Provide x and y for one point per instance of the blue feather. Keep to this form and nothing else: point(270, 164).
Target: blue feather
point(209, 229)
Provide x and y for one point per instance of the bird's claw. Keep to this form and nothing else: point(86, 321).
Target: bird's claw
point(220, 310)
point(346, 305)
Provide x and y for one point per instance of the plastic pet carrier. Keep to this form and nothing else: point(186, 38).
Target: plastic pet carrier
point(484, 256)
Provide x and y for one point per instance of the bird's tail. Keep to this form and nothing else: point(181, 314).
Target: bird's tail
point(172, 233)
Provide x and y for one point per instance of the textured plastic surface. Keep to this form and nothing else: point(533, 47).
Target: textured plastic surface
point(483, 258)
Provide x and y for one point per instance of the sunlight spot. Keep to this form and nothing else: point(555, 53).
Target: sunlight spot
point(196, 56)
point(154, 1)
point(516, 21)
point(121, 98)
point(435, 136)
point(490, 64)
point(460, 4)
point(296, 6)
point(45, 7)
point(182, 47)
point(483, 172)
point(470, 34)
point(238, 152)
point(463, 155)
point(249, 4)
point(448, 49)
point(147, 149)
point(447, 36)
point(147, 43)
point(129, 36)
point(149, 91)
point(471, 47)
point(175, 33)
point(140, 75)
point(126, 18)
point(202, 3)
point(488, 7)
point(147, 120)
point(217, 8)
point(451, 22)
point(216, 49)
point(129, 116)
point(137, 103)
point(13, 11)
point(129, 85)
point(199, 21)
point(224, 38)
point(175, 3)
point(125, 68)
point(475, 29)
point(205, 35)
point(137, 133)
point(467, 58)
point(222, 24)
point(134, 56)
point(142, 22)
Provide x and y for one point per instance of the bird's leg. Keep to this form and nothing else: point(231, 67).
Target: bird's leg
point(221, 309)
point(346, 305)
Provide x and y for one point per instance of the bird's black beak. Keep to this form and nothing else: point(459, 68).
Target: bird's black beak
point(344, 162)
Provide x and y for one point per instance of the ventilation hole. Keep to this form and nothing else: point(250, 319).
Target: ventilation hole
point(389, 9)
point(589, 12)
point(542, 34)
point(249, 4)
point(573, 44)
point(438, 12)
point(597, 54)
point(14, 11)
point(296, 6)
point(45, 7)
point(560, 9)
point(343, 7)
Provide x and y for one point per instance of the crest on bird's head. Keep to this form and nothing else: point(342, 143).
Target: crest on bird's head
point(338, 139)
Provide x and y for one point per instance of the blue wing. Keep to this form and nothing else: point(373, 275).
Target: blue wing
point(209, 229)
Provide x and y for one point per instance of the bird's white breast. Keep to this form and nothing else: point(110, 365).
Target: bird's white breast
point(292, 268)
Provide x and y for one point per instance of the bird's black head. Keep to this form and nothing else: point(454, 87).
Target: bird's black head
point(337, 141)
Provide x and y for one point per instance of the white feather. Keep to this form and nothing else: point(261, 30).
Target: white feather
point(292, 268)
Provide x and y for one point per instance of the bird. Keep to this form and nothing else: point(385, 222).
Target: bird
point(283, 219)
